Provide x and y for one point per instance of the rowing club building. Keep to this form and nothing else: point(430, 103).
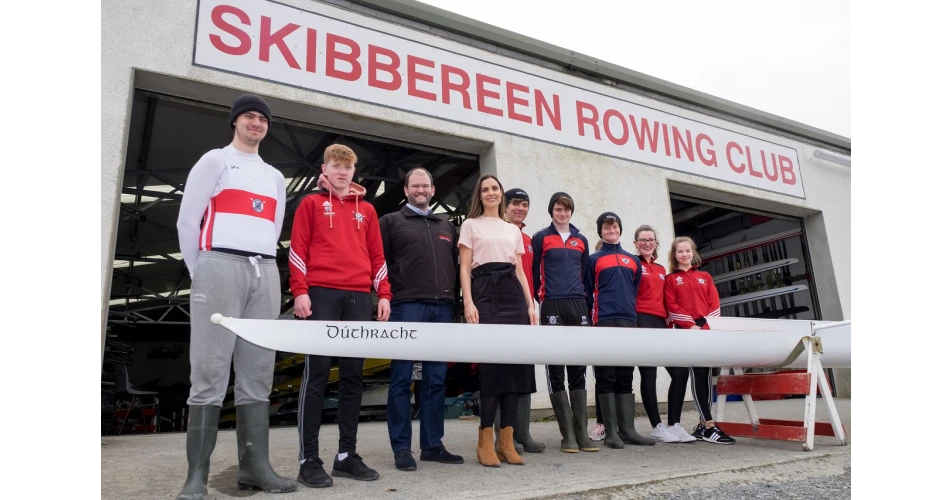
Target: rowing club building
point(408, 85)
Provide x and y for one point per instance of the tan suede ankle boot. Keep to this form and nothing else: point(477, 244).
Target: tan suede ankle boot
point(484, 448)
point(506, 450)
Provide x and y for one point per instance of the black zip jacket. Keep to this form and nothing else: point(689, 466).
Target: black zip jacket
point(422, 256)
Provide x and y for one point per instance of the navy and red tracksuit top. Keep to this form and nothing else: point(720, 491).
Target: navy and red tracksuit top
point(689, 295)
point(557, 266)
point(651, 290)
point(611, 283)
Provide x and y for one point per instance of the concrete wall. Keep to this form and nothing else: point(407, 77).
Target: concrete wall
point(155, 40)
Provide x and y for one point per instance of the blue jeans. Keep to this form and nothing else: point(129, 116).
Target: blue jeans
point(433, 392)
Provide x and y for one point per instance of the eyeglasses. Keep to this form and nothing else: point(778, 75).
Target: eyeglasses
point(644, 241)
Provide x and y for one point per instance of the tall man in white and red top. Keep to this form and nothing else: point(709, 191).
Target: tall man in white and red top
point(517, 209)
point(336, 258)
point(228, 228)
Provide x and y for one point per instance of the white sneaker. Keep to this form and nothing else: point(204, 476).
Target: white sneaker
point(661, 433)
point(682, 434)
point(598, 433)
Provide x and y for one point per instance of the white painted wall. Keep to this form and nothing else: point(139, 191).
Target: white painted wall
point(158, 37)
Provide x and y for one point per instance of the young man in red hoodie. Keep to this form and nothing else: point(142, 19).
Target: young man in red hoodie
point(336, 257)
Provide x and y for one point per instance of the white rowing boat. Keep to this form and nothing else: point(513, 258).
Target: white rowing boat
point(734, 342)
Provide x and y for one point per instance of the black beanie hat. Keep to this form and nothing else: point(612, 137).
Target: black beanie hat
point(556, 196)
point(608, 217)
point(516, 194)
point(247, 103)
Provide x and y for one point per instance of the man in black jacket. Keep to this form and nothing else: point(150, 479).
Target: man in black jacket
point(422, 259)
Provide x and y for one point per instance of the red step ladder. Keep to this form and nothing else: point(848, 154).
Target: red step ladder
point(798, 382)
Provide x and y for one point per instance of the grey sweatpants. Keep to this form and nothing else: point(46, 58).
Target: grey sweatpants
point(237, 287)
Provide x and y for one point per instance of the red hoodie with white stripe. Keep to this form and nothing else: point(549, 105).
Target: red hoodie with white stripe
point(336, 243)
point(689, 295)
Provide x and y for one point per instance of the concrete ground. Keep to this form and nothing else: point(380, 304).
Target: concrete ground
point(154, 466)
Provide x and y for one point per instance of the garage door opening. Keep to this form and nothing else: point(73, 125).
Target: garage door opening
point(148, 323)
point(759, 261)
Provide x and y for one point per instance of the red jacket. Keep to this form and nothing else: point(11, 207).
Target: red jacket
point(651, 289)
point(689, 295)
point(335, 243)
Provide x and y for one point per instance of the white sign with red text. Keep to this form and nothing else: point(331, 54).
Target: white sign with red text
point(283, 44)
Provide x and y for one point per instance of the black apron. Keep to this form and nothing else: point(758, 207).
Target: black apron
point(499, 300)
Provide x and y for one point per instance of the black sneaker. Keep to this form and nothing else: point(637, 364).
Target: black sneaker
point(698, 432)
point(717, 436)
point(403, 459)
point(439, 454)
point(312, 474)
point(354, 468)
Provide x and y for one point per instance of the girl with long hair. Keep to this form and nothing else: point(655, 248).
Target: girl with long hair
point(495, 291)
point(690, 298)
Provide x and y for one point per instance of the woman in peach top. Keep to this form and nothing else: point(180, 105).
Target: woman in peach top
point(495, 291)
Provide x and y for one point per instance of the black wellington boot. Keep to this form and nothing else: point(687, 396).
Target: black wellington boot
point(626, 421)
point(254, 469)
point(199, 444)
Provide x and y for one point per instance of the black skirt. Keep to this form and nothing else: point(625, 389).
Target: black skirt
point(499, 300)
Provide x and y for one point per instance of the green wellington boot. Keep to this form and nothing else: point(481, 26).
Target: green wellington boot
point(626, 421)
point(580, 419)
point(521, 429)
point(610, 420)
point(254, 469)
point(563, 414)
point(199, 444)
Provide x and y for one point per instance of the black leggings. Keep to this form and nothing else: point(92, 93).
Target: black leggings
point(505, 403)
point(649, 374)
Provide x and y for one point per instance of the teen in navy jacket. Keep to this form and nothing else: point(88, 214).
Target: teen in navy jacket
point(611, 283)
point(559, 259)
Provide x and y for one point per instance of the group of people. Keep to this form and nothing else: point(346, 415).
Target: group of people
point(417, 263)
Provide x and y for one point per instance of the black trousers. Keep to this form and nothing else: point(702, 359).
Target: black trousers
point(329, 304)
point(564, 312)
point(614, 379)
point(701, 380)
point(649, 377)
